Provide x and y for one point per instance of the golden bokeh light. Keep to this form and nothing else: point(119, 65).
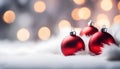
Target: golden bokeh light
point(117, 19)
point(102, 16)
point(74, 14)
point(102, 19)
point(84, 13)
point(39, 6)
point(9, 16)
point(44, 33)
point(118, 5)
point(79, 2)
point(23, 34)
point(64, 24)
point(77, 30)
point(102, 22)
point(106, 5)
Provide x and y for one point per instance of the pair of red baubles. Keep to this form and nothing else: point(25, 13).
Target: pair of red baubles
point(73, 43)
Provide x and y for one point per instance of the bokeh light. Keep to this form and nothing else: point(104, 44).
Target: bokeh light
point(44, 33)
point(84, 13)
point(102, 19)
point(39, 6)
point(64, 24)
point(9, 16)
point(118, 5)
point(79, 2)
point(117, 19)
point(59, 14)
point(102, 16)
point(102, 22)
point(77, 30)
point(106, 5)
point(75, 13)
point(23, 34)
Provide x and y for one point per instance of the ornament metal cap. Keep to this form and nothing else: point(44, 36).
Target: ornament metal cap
point(104, 29)
point(90, 23)
point(73, 33)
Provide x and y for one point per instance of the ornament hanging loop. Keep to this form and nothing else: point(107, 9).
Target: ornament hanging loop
point(104, 29)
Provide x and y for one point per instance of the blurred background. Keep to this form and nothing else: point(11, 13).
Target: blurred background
point(39, 20)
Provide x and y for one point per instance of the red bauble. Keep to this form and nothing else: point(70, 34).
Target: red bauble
point(72, 44)
point(98, 40)
point(89, 30)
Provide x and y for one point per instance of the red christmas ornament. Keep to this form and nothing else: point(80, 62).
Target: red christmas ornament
point(72, 44)
point(98, 40)
point(89, 30)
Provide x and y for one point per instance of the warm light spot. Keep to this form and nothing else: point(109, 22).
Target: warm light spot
point(102, 19)
point(84, 13)
point(9, 16)
point(74, 14)
point(39, 6)
point(44, 33)
point(79, 2)
point(106, 5)
point(77, 30)
point(23, 34)
point(118, 5)
point(117, 19)
point(64, 24)
point(102, 22)
point(102, 16)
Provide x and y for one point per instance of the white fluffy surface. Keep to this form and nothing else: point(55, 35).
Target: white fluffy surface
point(111, 52)
point(47, 55)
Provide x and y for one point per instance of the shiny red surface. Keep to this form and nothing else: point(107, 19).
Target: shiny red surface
point(97, 41)
point(88, 31)
point(72, 44)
